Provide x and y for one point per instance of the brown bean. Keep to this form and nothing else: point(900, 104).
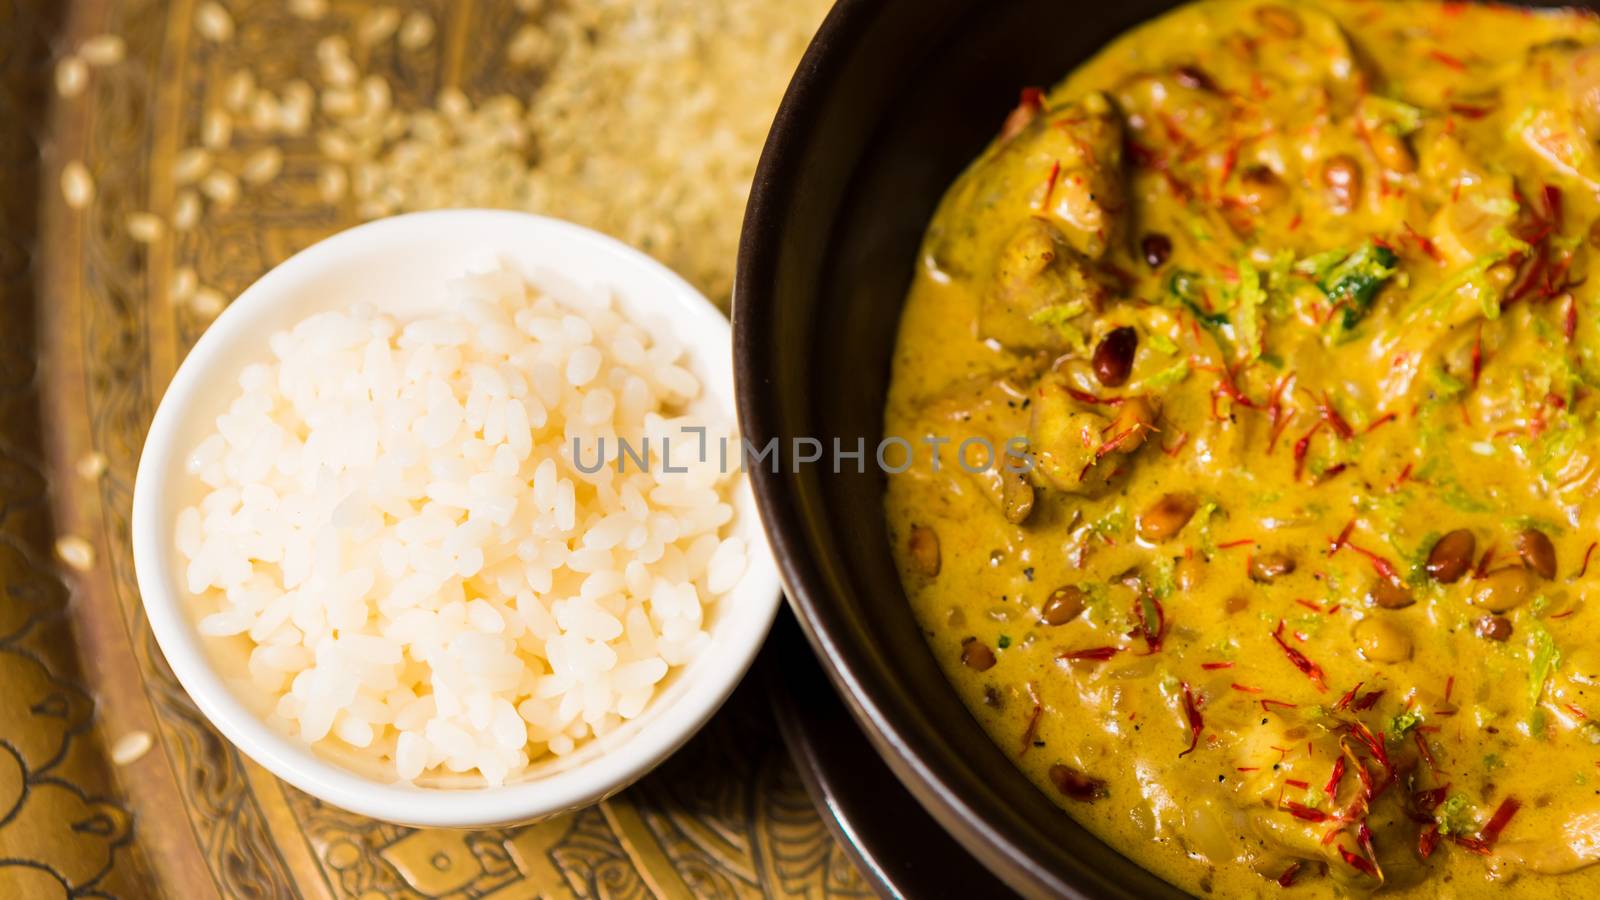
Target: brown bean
point(1391, 150)
point(1451, 556)
point(1266, 567)
point(1278, 20)
point(1188, 573)
point(1075, 784)
point(1504, 589)
point(1492, 628)
point(1594, 234)
point(924, 547)
point(1113, 358)
point(1382, 641)
point(1341, 175)
point(1167, 516)
point(1390, 593)
point(1260, 188)
point(1157, 249)
point(1236, 603)
point(1064, 605)
point(1537, 552)
point(976, 655)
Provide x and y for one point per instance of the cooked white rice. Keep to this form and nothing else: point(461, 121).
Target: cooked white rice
point(393, 522)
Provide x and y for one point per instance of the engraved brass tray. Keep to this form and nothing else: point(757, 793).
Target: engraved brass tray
point(90, 333)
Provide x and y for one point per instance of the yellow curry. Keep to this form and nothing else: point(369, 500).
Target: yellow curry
point(1288, 577)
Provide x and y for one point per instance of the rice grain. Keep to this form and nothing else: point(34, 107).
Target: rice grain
point(213, 21)
point(103, 50)
point(76, 552)
point(72, 75)
point(77, 187)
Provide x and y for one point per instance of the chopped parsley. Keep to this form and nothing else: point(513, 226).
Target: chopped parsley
point(1163, 581)
point(1404, 722)
point(1170, 376)
point(1355, 281)
point(1455, 816)
point(1247, 309)
point(1544, 661)
point(1187, 288)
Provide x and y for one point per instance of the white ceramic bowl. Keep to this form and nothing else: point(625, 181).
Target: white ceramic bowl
point(401, 265)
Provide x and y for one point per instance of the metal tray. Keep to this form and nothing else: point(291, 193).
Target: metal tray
point(90, 332)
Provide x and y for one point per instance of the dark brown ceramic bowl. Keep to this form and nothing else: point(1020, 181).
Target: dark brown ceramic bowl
point(892, 100)
point(890, 103)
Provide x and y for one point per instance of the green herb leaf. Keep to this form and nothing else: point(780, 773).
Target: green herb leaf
point(1404, 722)
point(1455, 816)
point(1247, 309)
point(1169, 376)
point(1163, 581)
point(1188, 289)
point(1545, 659)
point(1355, 281)
point(1058, 314)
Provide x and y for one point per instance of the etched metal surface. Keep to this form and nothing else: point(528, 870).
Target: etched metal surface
point(89, 335)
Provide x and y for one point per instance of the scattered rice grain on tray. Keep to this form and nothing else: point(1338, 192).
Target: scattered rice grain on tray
point(131, 747)
point(416, 31)
point(77, 186)
point(394, 525)
point(262, 166)
point(72, 75)
point(216, 129)
point(378, 25)
point(92, 466)
point(76, 552)
point(144, 227)
point(103, 50)
point(310, 10)
point(207, 302)
point(191, 164)
point(184, 283)
point(221, 187)
point(214, 22)
point(238, 89)
point(186, 210)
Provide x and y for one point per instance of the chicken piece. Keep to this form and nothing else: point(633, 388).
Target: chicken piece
point(1070, 437)
point(1064, 167)
point(1179, 107)
point(1476, 214)
point(1559, 89)
point(1040, 287)
point(1574, 845)
point(992, 407)
point(1278, 750)
point(1174, 111)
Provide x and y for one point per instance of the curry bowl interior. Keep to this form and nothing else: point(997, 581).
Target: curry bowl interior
point(891, 103)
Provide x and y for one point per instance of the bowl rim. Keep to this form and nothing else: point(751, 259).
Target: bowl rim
point(1013, 855)
point(710, 678)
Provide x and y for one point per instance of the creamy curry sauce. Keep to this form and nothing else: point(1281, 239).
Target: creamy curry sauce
point(1293, 307)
